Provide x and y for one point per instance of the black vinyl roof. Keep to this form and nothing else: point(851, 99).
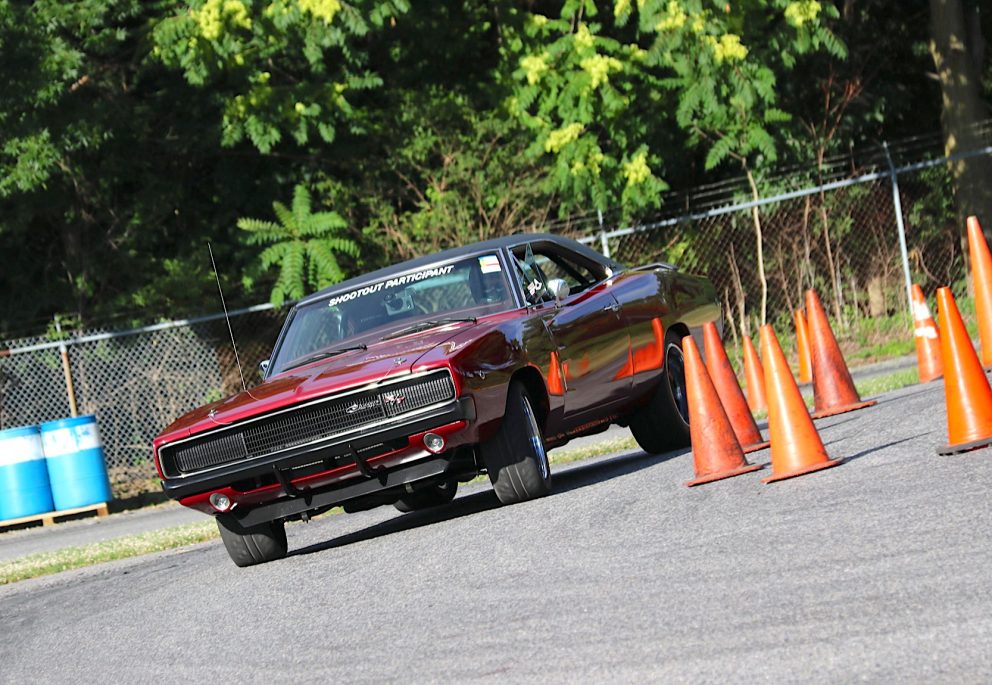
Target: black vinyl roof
point(455, 253)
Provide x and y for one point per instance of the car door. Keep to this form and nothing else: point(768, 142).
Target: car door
point(593, 347)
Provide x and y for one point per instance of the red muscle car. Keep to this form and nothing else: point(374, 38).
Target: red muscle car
point(393, 387)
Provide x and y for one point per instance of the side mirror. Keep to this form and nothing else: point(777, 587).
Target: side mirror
point(263, 366)
point(559, 289)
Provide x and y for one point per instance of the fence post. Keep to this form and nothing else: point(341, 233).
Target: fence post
point(897, 204)
point(70, 389)
point(604, 242)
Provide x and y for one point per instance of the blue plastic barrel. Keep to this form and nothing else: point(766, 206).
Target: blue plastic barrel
point(75, 462)
point(24, 488)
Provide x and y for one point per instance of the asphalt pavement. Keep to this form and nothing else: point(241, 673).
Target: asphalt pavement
point(877, 571)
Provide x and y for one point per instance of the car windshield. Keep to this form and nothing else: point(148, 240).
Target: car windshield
point(463, 289)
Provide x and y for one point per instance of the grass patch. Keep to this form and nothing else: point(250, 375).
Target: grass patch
point(877, 385)
point(109, 550)
point(599, 449)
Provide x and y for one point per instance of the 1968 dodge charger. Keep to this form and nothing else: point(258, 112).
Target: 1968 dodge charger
point(394, 387)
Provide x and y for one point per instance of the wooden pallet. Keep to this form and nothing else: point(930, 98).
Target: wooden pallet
point(48, 518)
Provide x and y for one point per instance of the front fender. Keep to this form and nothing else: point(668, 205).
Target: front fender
point(486, 360)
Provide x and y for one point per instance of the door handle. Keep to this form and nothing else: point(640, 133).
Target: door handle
point(615, 307)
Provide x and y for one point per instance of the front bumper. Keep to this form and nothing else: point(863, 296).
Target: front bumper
point(459, 410)
point(328, 497)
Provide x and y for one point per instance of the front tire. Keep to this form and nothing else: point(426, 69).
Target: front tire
point(432, 496)
point(515, 458)
point(255, 545)
point(663, 424)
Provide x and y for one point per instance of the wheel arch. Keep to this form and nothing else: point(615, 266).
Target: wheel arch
point(679, 329)
point(534, 383)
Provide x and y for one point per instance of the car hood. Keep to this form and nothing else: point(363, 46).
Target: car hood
point(352, 369)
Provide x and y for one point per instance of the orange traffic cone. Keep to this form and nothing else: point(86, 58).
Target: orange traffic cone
point(927, 339)
point(754, 374)
point(833, 389)
point(966, 389)
point(556, 384)
point(716, 453)
point(802, 347)
point(981, 274)
point(723, 377)
point(796, 446)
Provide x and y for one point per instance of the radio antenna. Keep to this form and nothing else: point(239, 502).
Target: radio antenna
point(227, 318)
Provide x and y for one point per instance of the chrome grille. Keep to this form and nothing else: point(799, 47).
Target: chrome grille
point(225, 447)
point(304, 425)
point(423, 394)
point(334, 416)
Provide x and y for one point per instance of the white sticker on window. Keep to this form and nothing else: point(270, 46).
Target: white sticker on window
point(489, 264)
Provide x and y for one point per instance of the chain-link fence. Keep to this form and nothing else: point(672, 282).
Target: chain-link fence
point(840, 236)
point(135, 382)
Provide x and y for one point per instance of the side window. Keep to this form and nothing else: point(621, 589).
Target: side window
point(531, 277)
point(556, 265)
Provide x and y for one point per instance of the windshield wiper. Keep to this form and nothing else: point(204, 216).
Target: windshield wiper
point(324, 355)
point(430, 323)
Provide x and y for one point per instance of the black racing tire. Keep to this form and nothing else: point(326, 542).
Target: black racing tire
point(663, 424)
point(255, 545)
point(516, 458)
point(433, 495)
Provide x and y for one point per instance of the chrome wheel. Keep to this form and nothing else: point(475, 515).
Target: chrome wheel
point(675, 366)
point(534, 437)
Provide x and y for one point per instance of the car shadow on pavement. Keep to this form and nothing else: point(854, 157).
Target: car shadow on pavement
point(827, 426)
point(885, 398)
point(877, 448)
point(607, 469)
point(573, 478)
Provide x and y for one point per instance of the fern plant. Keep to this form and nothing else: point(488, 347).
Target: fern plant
point(303, 245)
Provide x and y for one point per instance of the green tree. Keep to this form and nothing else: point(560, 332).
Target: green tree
point(592, 104)
point(594, 93)
point(456, 175)
point(112, 172)
point(302, 244)
point(958, 46)
point(283, 71)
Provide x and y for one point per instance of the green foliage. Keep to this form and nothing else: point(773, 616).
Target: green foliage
point(39, 66)
point(589, 103)
point(286, 68)
point(134, 131)
point(595, 93)
point(302, 245)
point(457, 176)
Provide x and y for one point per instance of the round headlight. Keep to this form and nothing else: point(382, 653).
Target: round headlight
point(220, 502)
point(434, 443)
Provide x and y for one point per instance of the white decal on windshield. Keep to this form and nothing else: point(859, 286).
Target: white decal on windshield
point(391, 283)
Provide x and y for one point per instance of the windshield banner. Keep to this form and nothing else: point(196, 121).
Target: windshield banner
point(391, 283)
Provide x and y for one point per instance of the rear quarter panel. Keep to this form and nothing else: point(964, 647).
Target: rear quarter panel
point(656, 299)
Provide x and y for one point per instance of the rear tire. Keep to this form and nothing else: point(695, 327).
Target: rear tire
point(432, 496)
point(663, 424)
point(515, 458)
point(255, 545)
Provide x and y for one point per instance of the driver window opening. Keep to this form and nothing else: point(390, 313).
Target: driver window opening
point(539, 264)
